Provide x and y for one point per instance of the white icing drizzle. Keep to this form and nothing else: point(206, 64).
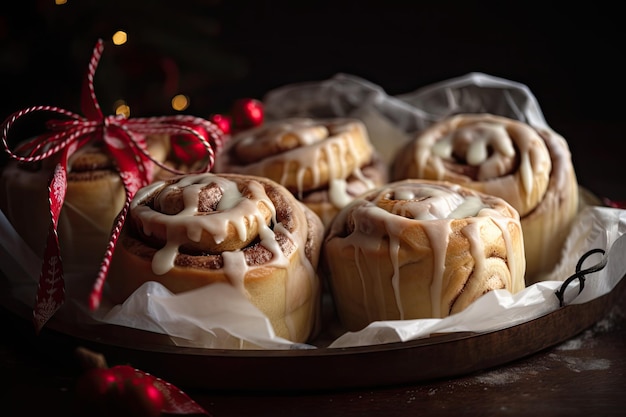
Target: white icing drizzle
point(235, 268)
point(476, 247)
point(232, 209)
point(337, 191)
point(435, 207)
point(489, 145)
point(304, 133)
point(436, 203)
point(471, 206)
point(187, 225)
point(476, 140)
point(428, 203)
point(394, 251)
point(317, 147)
point(439, 236)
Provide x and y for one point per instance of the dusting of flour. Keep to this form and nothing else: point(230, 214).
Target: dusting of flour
point(563, 355)
point(559, 355)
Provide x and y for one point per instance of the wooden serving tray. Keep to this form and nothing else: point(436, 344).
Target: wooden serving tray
point(440, 356)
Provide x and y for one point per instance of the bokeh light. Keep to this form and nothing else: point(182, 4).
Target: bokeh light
point(121, 108)
point(180, 102)
point(120, 37)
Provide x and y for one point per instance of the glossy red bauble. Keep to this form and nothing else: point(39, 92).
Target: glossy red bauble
point(188, 148)
point(135, 397)
point(247, 113)
point(120, 391)
point(223, 122)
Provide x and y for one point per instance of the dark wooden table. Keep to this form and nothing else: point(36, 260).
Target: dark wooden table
point(583, 376)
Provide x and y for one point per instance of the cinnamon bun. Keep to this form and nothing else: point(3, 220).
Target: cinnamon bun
point(325, 163)
point(194, 230)
point(417, 249)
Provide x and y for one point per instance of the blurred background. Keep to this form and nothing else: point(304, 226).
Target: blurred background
point(212, 52)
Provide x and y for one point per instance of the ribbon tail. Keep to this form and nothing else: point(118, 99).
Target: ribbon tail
point(51, 288)
point(134, 177)
point(96, 293)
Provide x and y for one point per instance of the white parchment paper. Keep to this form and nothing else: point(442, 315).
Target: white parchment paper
point(218, 316)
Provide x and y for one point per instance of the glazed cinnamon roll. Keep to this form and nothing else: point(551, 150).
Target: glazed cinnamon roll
point(95, 195)
point(528, 167)
point(250, 232)
point(420, 249)
point(325, 163)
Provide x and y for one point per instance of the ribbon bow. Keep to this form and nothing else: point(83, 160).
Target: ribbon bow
point(125, 140)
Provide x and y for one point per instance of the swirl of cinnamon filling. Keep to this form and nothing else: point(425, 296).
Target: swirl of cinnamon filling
point(489, 153)
point(301, 154)
point(202, 214)
point(421, 249)
point(530, 168)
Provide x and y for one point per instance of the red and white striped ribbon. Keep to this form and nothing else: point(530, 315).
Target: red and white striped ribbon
point(124, 138)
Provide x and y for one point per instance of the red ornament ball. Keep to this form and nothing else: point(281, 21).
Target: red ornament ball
point(136, 397)
point(247, 113)
point(188, 148)
point(118, 392)
point(223, 122)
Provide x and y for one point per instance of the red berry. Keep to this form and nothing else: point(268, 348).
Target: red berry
point(247, 113)
point(223, 122)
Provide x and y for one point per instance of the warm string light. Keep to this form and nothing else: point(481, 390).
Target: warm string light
point(120, 37)
point(121, 108)
point(180, 102)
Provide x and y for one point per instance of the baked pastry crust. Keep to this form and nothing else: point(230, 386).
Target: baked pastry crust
point(275, 268)
point(420, 249)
